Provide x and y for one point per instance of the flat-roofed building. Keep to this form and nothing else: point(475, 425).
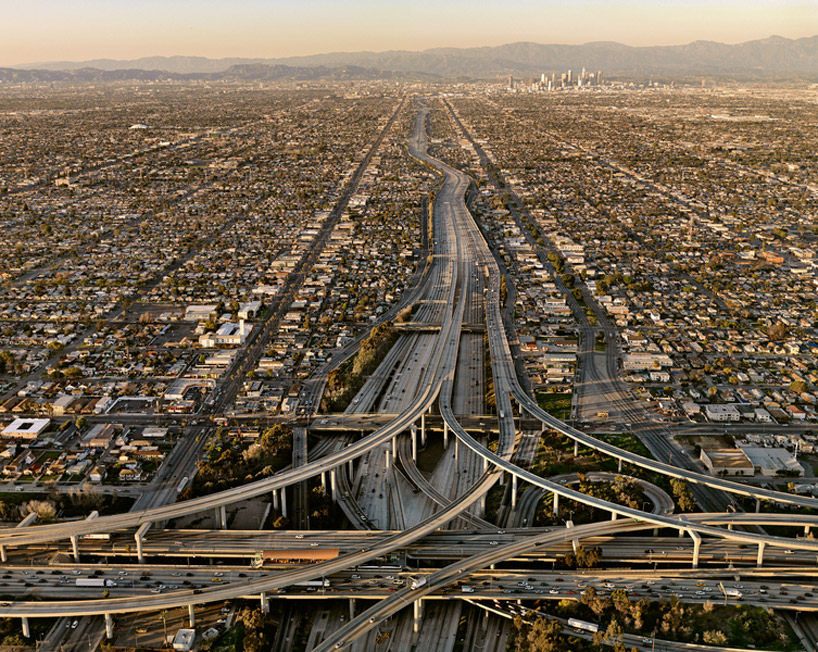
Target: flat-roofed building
point(727, 461)
point(25, 428)
point(721, 412)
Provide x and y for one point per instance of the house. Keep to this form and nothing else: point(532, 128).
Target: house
point(96, 475)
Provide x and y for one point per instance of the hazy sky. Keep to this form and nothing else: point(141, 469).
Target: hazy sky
point(48, 30)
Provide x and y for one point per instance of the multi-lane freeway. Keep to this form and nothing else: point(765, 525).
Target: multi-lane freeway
point(437, 363)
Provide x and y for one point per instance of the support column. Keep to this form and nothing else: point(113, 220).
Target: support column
point(334, 483)
point(221, 517)
point(576, 448)
point(574, 542)
point(324, 482)
point(445, 435)
point(387, 464)
point(275, 499)
point(394, 446)
point(265, 603)
point(75, 548)
point(423, 428)
point(513, 491)
point(109, 627)
point(619, 466)
point(483, 505)
point(191, 616)
point(556, 504)
point(613, 516)
point(456, 449)
point(140, 537)
point(26, 628)
point(697, 545)
point(414, 444)
point(3, 556)
point(351, 608)
point(729, 526)
point(418, 608)
point(284, 502)
point(760, 557)
point(485, 464)
point(758, 505)
point(351, 468)
point(806, 534)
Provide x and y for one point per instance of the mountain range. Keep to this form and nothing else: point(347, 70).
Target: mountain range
point(762, 59)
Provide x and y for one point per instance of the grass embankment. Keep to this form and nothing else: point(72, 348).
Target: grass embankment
point(556, 404)
point(346, 381)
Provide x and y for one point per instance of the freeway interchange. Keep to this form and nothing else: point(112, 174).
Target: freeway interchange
point(436, 366)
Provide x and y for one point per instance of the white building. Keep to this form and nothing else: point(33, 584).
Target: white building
point(249, 310)
point(228, 334)
point(722, 412)
point(25, 428)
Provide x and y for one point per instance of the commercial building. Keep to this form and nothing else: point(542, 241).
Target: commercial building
point(727, 461)
point(25, 428)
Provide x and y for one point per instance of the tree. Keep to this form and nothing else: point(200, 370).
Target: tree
point(798, 386)
point(682, 495)
point(45, 510)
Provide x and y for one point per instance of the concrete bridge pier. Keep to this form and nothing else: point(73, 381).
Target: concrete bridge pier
point(324, 482)
point(284, 502)
point(3, 556)
point(140, 537)
point(456, 449)
point(191, 616)
point(275, 499)
point(394, 446)
point(414, 444)
point(758, 505)
point(26, 628)
point(221, 517)
point(387, 463)
point(576, 448)
point(333, 481)
point(445, 435)
point(613, 516)
point(574, 542)
point(513, 491)
point(75, 548)
point(697, 546)
point(109, 626)
point(351, 608)
point(423, 428)
point(418, 609)
point(265, 603)
point(619, 466)
point(760, 557)
point(556, 504)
